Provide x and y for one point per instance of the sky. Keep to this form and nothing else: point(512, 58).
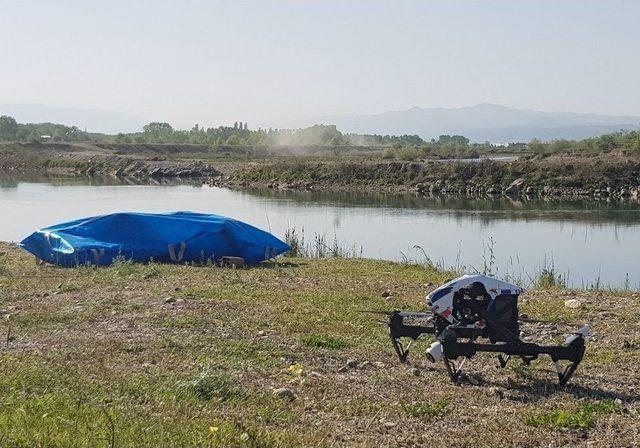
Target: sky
point(267, 62)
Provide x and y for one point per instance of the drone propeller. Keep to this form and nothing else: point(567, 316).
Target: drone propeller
point(386, 313)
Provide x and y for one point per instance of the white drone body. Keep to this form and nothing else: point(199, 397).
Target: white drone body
point(441, 299)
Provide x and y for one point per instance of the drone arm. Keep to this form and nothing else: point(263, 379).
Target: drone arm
point(399, 329)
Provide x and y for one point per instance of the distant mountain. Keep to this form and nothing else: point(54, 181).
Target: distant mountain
point(90, 119)
point(483, 122)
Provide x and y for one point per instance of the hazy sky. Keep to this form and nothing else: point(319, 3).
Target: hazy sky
point(264, 62)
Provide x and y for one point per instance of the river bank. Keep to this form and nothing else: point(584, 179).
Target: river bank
point(188, 355)
point(610, 176)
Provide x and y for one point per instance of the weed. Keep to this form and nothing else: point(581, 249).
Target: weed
point(583, 417)
point(295, 241)
point(209, 384)
point(319, 247)
point(314, 340)
point(424, 410)
point(489, 258)
point(549, 278)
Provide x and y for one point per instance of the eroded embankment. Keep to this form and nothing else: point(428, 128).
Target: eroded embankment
point(614, 177)
point(134, 161)
point(605, 176)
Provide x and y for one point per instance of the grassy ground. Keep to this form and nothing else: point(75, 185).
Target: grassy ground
point(157, 355)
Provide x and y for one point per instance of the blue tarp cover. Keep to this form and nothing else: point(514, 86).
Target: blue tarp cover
point(172, 237)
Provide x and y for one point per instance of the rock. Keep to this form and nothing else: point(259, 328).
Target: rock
point(493, 190)
point(415, 371)
point(284, 393)
point(352, 363)
point(493, 391)
point(474, 380)
point(261, 333)
point(365, 364)
point(169, 300)
point(343, 369)
point(390, 297)
point(379, 364)
point(179, 300)
point(386, 294)
point(573, 303)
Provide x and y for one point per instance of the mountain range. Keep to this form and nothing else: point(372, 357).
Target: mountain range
point(480, 123)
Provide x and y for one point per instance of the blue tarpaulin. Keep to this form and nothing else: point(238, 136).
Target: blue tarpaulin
point(172, 238)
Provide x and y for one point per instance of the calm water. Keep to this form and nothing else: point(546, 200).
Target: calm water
point(585, 241)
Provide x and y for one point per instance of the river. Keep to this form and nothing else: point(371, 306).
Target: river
point(588, 243)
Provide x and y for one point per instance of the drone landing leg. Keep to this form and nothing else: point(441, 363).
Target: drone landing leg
point(453, 371)
point(565, 375)
point(401, 351)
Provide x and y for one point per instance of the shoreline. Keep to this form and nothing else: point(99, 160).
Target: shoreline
point(603, 177)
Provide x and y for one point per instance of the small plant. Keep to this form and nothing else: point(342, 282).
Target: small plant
point(582, 418)
point(319, 247)
point(314, 340)
point(295, 241)
point(489, 258)
point(150, 270)
point(209, 384)
point(122, 267)
point(427, 411)
point(549, 278)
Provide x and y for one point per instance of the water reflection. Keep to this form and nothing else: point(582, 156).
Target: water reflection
point(584, 240)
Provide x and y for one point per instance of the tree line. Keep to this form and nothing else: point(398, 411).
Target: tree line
point(399, 147)
point(238, 134)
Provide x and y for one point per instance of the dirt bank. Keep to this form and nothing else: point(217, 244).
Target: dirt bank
point(593, 177)
point(611, 176)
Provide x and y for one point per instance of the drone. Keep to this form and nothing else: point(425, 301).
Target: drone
point(475, 313)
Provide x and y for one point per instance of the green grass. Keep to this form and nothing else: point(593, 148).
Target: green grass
point(210, 384)
point(583, 417)
point(314, 340)
point(424, 410)
point(107, 362)
point(550, 310)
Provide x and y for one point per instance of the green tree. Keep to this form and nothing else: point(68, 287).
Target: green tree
point(537, 146)
point(158, 127)
point(8, 128)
